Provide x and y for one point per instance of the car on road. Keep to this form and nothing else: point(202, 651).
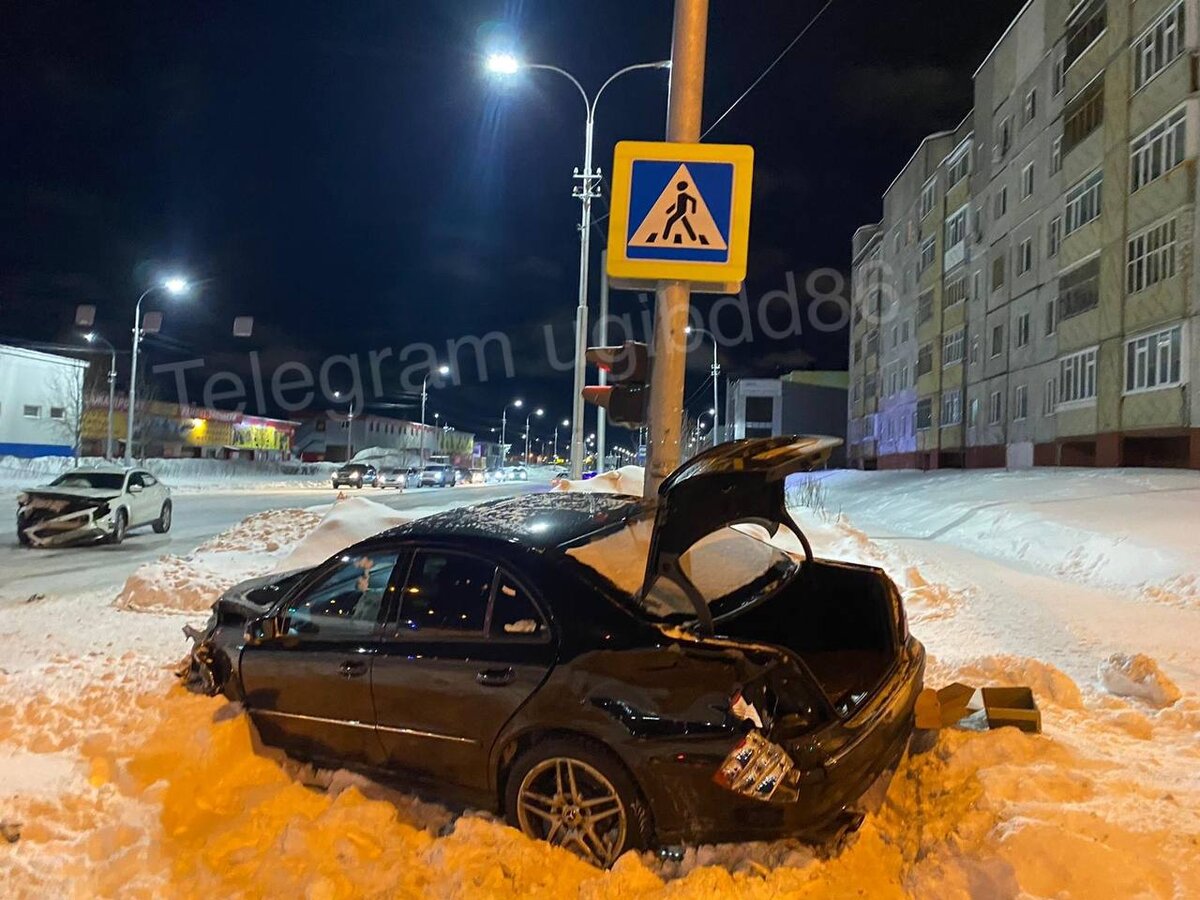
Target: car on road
point(516, 473)
point(92, 504)
point(439, 475)
point(355, 475)
point(395, 477)
point(609, 673)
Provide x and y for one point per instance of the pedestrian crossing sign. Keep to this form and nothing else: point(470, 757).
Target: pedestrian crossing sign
point(680, 212)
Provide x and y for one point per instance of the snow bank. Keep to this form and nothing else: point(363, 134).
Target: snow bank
point(1137, 676)
point(350, 520)
point(625, 480)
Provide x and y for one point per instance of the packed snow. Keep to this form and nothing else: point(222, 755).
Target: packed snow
point(117, 782)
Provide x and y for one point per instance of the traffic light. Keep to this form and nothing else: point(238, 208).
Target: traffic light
point(627, 396)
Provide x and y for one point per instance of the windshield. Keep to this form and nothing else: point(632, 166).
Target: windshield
point(731, 568)
point(108, 481)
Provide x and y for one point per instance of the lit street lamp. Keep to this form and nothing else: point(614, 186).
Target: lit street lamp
point(174, 286)
point(716, 377)
point(566, 423)
point(516, 404)
point(539, 413)
point(337, 395)
point(506, 64)
point(441, 370)
point(91, 337)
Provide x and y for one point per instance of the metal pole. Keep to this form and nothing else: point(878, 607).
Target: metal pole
point(527, 418)
point(602, 414)
point(112, 396)
point(350, 434)
point(424, 396)
point(673, 297)
point(133, 367)
point(585, 192)
point(503, 430)
point(556, 444)
point(716, 373)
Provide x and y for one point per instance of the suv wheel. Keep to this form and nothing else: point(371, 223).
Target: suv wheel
point(163, 524)
point(120, 526)
point(577, 795)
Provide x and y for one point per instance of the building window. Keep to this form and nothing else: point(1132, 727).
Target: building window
point(928, 197)
point(924, 414)
point(979, 221)
point(1025, 256)
point(951, 413)
point(1027, 182)
point(973, 411)
point(1051, 318)
point(953, 345)
point(956, 293)
point(1058, 79)
point(1083, 201)
point(871, 343)
point(999, 265)
point(1004, 141)
point(1084, 114)
point(959, 166)
point(1056, 156)
point(1049, 397)
point(1000, 204)
point(57, 412)
point(974, 351)
point(1154, 361)
point(1151, 256)
point(1020, 402)
point(1158, 150)
point(995, 408)
point(1022, 335)
point(1158, 46)
point(997, 340)
point(924, 308)
point(1030, 110)
point(1079, 289)
point(977, 284)
point(905, 330)
point(924, 359)
point(956, 228)
point(1077, 377)
point(32, 412)
point(1084, 28)
point(1054, 237)
point(928, 248)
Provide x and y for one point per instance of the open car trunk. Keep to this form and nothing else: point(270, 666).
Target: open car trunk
point(840, 619)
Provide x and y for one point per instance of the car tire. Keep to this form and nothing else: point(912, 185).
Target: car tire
point(120, 526)
point(163, 523)
point(23, 539)
point(560, 818)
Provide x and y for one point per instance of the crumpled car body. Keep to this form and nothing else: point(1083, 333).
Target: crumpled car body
point(89, 505)
point(698, 682)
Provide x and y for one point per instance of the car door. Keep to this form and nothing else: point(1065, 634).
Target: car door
point(308, 688)
point(135, 492)
point(465, 648)
point(153, 495)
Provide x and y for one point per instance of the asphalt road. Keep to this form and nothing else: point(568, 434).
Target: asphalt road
point(25, 572)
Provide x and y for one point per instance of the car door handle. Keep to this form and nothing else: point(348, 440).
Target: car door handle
point(495, 677)
point(352, 669)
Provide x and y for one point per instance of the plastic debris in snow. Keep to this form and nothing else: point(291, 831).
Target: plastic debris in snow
point(1139, 676)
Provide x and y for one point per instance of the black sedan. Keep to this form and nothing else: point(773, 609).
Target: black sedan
point(609, 673)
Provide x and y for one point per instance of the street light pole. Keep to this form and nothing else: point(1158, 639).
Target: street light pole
point(174, 285)
point(504, 428)
point(716, 376)
point(91, 337)
point(587, 190)
point(441, 370)
point(536, 412)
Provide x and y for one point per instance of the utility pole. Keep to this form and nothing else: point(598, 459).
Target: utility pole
point(602, 413)
point(684, 108)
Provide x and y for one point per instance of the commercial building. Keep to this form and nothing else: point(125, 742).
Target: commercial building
point(328, 436)
point(41, 403)
point(1029, 296)
point(798, 403)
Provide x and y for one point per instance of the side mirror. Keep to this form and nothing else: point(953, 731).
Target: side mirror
point(259, 630)
point(135, 489)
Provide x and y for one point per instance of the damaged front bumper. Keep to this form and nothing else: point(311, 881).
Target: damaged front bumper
point(42, 523)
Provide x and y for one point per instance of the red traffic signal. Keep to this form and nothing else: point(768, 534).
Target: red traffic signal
point(627, 398)
point(626, 362)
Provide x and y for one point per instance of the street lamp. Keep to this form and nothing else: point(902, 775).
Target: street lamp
point(506, 64)
point(716, 377)
point(337, 395)
point(539, 413)
point(566, 423)
point(441, 370)
point(91, 337)
point(516, 404)
point(176, 286)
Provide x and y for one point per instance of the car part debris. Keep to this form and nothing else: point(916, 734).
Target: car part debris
point(962, 706)
point(760, 769)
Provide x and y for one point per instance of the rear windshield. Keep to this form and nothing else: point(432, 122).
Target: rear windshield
point(730, 568)
point(108, 481)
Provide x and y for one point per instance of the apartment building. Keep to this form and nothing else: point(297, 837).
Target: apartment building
point(1029, 295)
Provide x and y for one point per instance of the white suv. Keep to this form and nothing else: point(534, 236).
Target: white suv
point(90, 504)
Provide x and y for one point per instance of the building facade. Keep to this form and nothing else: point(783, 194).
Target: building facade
point(328, 437)
point(798, 403)
point(1029, 296)
point(41, 403)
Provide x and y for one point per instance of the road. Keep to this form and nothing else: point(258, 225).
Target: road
point(26, 572)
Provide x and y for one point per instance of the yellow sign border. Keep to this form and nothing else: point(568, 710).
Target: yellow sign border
point(734, 271)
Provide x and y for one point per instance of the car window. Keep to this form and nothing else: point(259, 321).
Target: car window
point(149, 480)
point(446, 594)
point(102, 480)
point(345, 603)
point(136, 478)
point(514, 614)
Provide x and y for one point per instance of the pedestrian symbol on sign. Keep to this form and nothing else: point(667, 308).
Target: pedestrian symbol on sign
point(679, 218)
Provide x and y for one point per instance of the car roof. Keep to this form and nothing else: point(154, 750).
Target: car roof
point(543, 520)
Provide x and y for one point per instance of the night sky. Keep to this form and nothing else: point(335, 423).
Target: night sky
point(346, 173)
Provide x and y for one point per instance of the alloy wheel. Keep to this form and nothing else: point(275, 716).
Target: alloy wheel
point(570, 804)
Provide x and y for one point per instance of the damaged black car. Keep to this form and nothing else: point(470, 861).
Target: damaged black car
point(609, 673)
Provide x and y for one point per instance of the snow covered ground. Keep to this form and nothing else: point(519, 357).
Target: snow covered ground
point(1081, 585)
